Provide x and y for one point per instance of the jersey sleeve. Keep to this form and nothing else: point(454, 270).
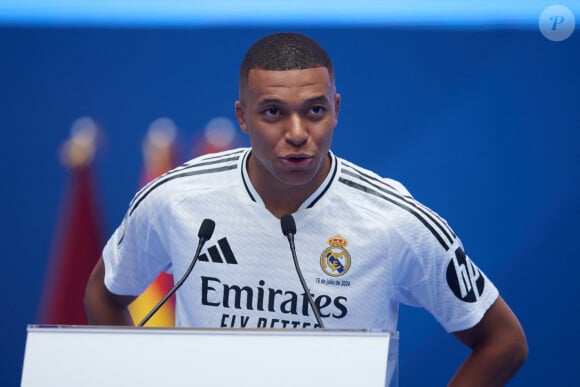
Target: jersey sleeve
point(134, 255)
point(434, 272)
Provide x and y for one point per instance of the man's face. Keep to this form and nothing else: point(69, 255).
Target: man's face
point(290, 117)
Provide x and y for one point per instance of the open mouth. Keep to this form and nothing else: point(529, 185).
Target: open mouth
point(296, 161)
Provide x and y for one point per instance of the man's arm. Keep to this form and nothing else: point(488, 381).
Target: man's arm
point(498, 349)
point(102, 306)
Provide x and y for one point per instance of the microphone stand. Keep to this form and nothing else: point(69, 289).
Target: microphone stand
point(205, 232)
point(289, 229)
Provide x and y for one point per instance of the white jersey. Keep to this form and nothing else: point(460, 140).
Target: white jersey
point(364, 245)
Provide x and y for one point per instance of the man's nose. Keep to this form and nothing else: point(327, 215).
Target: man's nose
point(297, 130)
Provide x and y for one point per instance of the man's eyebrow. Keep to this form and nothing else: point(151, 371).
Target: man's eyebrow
point(319, 99)
point(309, 101)
point(271, 101)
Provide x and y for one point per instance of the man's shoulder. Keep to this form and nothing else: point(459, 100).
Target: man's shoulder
point(358, 176)
point(230, 156)
point(199, 174)
point(210, 164)
point(388, 199)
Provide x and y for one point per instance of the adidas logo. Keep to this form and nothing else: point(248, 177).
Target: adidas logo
point(215, 256)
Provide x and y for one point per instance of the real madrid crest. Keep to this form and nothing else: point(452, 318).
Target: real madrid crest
point(335, 260)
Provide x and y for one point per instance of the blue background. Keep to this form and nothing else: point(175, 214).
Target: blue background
point(481, 124)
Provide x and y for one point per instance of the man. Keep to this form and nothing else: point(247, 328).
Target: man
point(364, 244)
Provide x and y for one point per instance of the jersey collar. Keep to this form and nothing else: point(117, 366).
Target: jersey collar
point(308, 203)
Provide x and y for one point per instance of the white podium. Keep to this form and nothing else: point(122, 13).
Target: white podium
point(85, 356)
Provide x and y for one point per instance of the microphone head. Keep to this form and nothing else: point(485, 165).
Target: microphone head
point(206, 229)
point(288, 225)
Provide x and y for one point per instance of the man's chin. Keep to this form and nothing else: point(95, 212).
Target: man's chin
point(296, 178)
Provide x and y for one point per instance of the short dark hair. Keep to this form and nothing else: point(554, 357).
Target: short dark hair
point(285, 51)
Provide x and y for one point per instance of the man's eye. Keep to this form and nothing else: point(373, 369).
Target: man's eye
point(317, 109)
point(271, 112)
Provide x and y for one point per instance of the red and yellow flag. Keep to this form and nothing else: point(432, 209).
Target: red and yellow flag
point(79, 235)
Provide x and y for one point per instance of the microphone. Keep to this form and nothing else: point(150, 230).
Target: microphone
point(289, 229)
point(205, 232)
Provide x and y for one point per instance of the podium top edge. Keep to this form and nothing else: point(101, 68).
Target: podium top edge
point(215, 331)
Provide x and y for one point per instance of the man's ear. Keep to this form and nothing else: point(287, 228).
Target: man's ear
point(241, 116)
point(336, 108)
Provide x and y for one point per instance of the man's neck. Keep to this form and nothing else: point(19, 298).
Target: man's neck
point(279, 198)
